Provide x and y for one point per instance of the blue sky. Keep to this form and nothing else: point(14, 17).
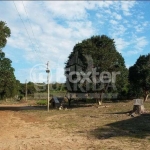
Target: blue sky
point(48, 30)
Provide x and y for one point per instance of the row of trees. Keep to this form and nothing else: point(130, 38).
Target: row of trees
point(94, 65)
point(99, 53)
point(34, 88)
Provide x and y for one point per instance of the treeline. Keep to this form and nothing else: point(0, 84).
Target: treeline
point(19, 90)
point(31, 88)
point(40, 88)
point(90, 68)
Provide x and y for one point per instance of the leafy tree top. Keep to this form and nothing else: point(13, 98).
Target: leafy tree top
point(139, 73)
point(4, 34)
point(105, 57)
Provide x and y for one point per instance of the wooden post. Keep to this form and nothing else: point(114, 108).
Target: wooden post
point(48, 71)
point(26, 90)
point(138, 107)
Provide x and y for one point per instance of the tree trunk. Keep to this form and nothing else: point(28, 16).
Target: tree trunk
point(69, 102)
point(146, 97)
point(100, 101)
point(138, 109)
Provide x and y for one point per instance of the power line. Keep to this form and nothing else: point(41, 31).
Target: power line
point(29, 22)
point(37, 48)
point(33, 45)
point(24, 26)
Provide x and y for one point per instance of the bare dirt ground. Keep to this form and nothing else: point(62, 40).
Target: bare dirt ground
point(82, 128)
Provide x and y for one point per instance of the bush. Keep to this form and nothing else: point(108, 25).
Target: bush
point(42, 102)
point(89, 100)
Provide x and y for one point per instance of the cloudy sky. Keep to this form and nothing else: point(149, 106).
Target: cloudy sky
point(43, 31)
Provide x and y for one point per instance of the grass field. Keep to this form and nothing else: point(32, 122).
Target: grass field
point(89, 127)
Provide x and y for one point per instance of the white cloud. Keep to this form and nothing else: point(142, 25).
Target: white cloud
point(113, 22)
point(74, 10)
point(126, 6)
point(139, 28)
point(139, 44)
point(59, 25)
point(117, 16)
point(118, 30)
point(121, 44)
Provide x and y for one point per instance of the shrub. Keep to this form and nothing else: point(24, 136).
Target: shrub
point(42, 102)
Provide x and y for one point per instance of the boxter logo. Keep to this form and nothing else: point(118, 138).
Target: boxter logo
point(90, 79)
point(38, 77)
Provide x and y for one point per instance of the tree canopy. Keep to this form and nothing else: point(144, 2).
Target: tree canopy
point(139, 76)
point(7, 78)
point(97, 52)
point(4, 34)
point(8, 83)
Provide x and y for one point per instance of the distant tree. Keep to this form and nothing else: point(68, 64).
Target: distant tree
point(30, 88)
point(139, 76)
point(54, 86)
point(62, 88)
point(105, 57)
point(58, 86)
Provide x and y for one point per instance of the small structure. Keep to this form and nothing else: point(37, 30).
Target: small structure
point(138, 107)
point(55, 102)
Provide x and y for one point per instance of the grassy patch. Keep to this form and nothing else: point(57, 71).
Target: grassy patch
point(42, 102)
point(107, 123)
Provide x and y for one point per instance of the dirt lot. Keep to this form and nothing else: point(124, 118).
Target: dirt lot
point(107, 127)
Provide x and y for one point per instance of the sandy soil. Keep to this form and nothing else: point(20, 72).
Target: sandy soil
point(23, 131)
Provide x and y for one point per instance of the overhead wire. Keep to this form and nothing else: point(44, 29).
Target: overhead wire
point(32, 31)
point(29, 22)
point(24, 26)
point(33, 45)
point(30, 39)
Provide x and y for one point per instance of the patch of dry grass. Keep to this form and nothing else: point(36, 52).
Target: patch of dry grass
point(106, 127)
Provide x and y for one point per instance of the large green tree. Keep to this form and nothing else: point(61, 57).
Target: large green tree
point(139, 76)
point(7, 78)
point(99, 53)
point(8, 83)
point(4, 34)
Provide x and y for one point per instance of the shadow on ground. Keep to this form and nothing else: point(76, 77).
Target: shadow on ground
point(125, 112)
point(19, 108)
point(137, 127)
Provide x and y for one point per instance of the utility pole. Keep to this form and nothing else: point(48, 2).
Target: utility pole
point(26, 89)
point(47, 71)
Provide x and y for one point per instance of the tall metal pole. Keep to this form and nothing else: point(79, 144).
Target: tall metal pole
point(26, 90)
point(47, 85)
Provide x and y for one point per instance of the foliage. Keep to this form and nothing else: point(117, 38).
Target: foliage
point(139, 76)
point(57, 86)
point(105, 58)
point(42, 102)
point(8, 83)
point(30, 88)
point(4, 34)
